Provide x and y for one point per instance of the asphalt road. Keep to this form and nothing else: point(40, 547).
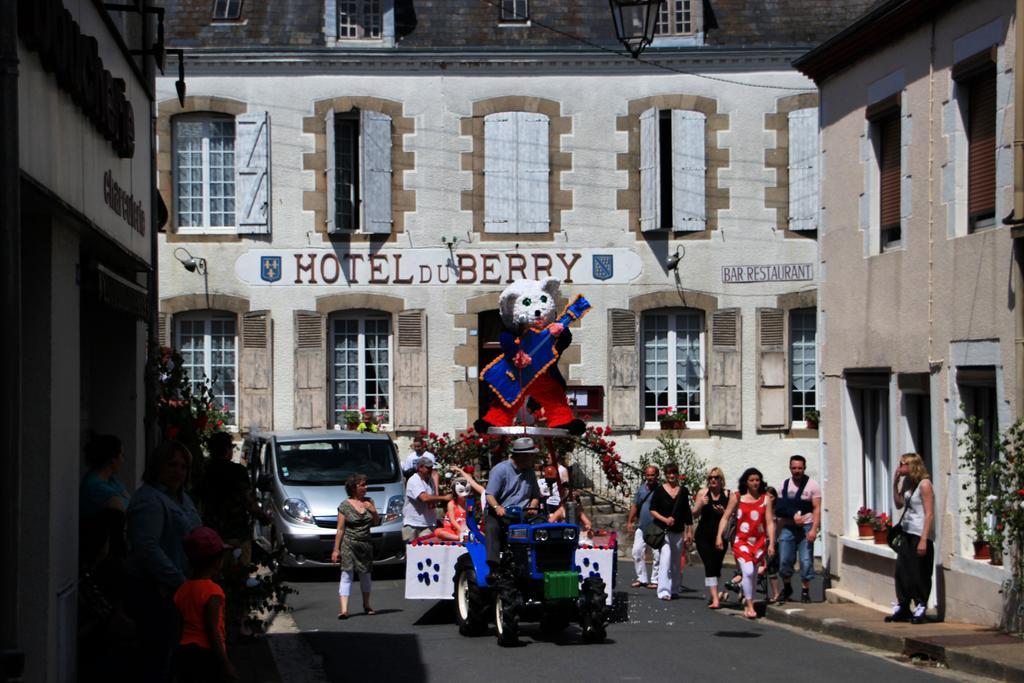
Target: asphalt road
point(413, 640)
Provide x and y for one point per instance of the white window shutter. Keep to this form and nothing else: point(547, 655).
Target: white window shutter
point(804, 150)
point(376, 133)
point(533, 172)
point(330, 172)
point(689, 171)
point(500, 139)
point(650, 176)
point(252, 166)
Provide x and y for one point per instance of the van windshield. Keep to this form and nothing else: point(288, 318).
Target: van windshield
point(329, 463)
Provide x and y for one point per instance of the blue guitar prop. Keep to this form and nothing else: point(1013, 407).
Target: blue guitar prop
point(507, 381)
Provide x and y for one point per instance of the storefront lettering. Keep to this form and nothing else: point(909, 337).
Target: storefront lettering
point(48, 28)
point(123, 204)
point(786, 272)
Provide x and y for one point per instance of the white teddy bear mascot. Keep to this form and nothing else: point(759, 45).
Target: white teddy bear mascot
point(528, 306)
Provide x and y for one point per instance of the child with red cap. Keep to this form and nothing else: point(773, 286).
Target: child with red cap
point(202, 653)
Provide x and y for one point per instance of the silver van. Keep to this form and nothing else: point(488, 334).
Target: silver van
point(300, 479)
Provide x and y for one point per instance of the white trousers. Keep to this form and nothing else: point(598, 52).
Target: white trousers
point(669, 580)
point(748, 570)
point(345, 585)
point(639, 561)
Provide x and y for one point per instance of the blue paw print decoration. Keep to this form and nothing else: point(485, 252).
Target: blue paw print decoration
point(428, 571)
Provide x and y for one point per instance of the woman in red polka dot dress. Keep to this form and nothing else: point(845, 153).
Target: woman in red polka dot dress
point(755, 529)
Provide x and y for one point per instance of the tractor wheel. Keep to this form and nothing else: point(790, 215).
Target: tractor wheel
point(506, 616)
point(470, 599)
point(592, 610)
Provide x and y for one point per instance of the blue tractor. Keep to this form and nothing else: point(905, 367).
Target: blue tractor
point(537, 581)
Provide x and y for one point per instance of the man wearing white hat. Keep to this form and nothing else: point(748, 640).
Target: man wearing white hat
point(511, 483)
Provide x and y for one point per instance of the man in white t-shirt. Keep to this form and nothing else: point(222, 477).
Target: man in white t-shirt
point(419, 514)
point(419, 450)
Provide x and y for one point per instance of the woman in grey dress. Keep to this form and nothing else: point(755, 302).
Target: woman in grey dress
point(352, 545)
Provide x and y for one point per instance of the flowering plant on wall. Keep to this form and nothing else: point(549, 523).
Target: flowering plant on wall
point(361, 419)
point(671, 414)
point(865, 515)
point(882, 522)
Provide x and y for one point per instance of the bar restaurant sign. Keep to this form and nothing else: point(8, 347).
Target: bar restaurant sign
point(782, 272)
point(418, 267)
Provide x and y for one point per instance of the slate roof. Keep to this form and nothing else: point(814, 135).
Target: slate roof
point(440, 24)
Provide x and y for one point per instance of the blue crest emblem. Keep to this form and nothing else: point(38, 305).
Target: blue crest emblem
point(270, 268)
point(604, 266)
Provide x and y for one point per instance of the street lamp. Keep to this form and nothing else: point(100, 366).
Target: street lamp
point(634, 23)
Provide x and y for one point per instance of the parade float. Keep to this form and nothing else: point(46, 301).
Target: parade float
point(550, 572)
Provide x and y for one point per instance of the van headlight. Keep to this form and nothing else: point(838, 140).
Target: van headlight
point(297, 509)
point(394, 509)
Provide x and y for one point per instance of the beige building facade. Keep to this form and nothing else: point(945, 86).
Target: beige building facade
point(917, 277)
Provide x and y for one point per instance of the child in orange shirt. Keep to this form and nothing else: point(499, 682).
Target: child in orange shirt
point(202, 655)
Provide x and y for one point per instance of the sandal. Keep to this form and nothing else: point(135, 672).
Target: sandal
point(638, 584)
point(369, 611)
point(342, 615)
point(652, 586)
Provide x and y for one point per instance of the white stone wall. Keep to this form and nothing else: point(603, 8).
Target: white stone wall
point(747, 234)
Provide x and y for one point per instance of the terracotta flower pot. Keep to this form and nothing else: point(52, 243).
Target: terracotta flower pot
point(812, 424)
point(881, 536)
point(865, 530)
point(679, 424)
point(981, 550)
point(667, 425)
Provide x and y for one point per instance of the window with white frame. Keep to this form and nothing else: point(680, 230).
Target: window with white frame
point(673, 362)
point(516, 172)
point(673, 170)
point(208, 343)
point(221, 172)
point(358, 172)
point(870, 403)
point(360, 345)
point(803, 366)
point(514, 11)
point(204, 154)
point(359, 20)
point(675, 18)
point(227, 9)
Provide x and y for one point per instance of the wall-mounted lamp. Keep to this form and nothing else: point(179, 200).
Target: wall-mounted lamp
point(191, 263)
point(673, 261)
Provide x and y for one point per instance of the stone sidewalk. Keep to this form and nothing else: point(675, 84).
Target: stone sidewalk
point(968, 648)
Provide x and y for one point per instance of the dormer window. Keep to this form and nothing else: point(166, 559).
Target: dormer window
point(514, 11)
point(227, 9)
point(359, 20)
point(675, 18)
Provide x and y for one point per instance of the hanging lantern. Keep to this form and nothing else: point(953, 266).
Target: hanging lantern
point(634, 23)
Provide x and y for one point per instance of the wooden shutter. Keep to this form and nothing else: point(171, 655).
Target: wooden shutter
point(256, 409)
point(981, 137)
point(310, 370)
point(532, 172)
point(889, 169)
point(650, 171)
point(500, 173)
point(624, 368)
point(689, 171)
point(410, 398)
point(376, 165)
point(162, 336)
point(772, 394)
point(726, 400)
point(804, 151)
point(330, 171)
point(252, 163)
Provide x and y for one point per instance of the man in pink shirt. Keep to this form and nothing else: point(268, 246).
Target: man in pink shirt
point(798, 510)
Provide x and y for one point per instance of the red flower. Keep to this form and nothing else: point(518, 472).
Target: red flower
point(605, 459)
point(469, 469)
point(433, 435)
point(220, 423)
point(611, 444)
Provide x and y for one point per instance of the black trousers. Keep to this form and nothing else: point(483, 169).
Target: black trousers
point(710, 555)
point(914, 572)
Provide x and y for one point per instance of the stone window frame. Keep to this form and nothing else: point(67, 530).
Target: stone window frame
point(559, 161)
point(776, 195)
point(403, 201)
point(717, 158)
point(466, 354)
point(166, 111)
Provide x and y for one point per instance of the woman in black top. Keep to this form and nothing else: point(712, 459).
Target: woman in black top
point(710, 504)
point(670, 508)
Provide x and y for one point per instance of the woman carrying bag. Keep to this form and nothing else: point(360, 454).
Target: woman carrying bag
point(670, 508)
point(915, 554)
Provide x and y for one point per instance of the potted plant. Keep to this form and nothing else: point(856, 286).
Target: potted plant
point(880, 528)
point(349, 418)
point(865, 522)
point(670, 418)
point(813, 418)
point(975, 461)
